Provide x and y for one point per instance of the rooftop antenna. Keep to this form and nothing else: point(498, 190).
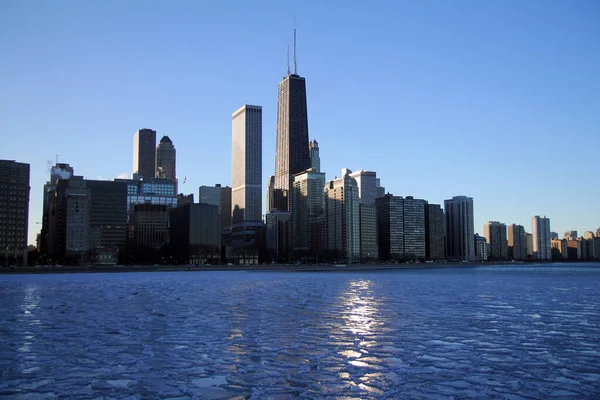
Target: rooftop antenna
point(295, 65)
point(288, 60)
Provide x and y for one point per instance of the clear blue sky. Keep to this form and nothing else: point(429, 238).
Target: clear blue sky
point(498, 100)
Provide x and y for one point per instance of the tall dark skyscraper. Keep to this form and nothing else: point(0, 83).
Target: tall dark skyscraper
point(292, 151)
point(14, 208)
point(165, 159)
point(144, 153)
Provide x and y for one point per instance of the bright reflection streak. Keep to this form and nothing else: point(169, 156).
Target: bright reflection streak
point(360, 308)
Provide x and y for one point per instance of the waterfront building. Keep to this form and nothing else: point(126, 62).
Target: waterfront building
point(529, 240)
point(89, 221)
point(390, 227)
point(144, 154)
point(414, 228)
point(150, 226)
point(58, 171)
point(279, 235)
point(219, 196)
point(560, 249)
point(495, 234)
point(308, 203)
point(541, 238)
point(367, 193)
point(245, 239)
point(481, 248)
point(434, 232)
point(517, 242)
point(246, 164)
point(460, 235)
point(342, 218)
point(14, 211)
point(166, 159)
point(196, 234)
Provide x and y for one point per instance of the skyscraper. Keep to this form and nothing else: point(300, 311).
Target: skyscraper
point(292, 151)
point(414, 228)
point(315, 159)
point(495, 234)
point(434, 232)
point(541, 238)
point(390, 227)
point(246, 164)
point(517, 242)
point(165, 159)
point(342, 218)
point(460, 235)
point(144, 154)
point(308, 202)
point(14, 208)
point(367, 193)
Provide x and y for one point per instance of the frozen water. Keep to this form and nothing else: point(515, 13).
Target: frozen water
point(504, 332)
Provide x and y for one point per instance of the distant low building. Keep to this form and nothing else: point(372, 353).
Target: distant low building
point(481, 247)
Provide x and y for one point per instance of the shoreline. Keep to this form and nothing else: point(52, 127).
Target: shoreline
point(266, 267)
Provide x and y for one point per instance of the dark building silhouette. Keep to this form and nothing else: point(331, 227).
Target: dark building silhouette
point(390, 227)
point(57, 172)
point(434, 232)
point(89, 221)
point(144, 154)
point(14, 210)
point(292, 147)
point(196, 234)
point(166, 159)
point(460, 229)
point(150, 225)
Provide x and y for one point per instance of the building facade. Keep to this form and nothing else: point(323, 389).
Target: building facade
point(14, 211)
point(517, 242)
point(150, 225)
point(166, 159)
point(495, 234)
point(342, 219)
point(367, 193)
point(219, 196)
point(279, 235)
point(308, 203)
point(390, 227)
point(541, 238)
point(246, 164)
point(144, 154)
point(414, 228)
point(460, 235)
point(292, 147)
point(434, 232)
point(315, 159)
point(481, 248)
point(196, 235)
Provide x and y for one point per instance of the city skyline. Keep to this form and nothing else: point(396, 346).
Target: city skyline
point(540, 93)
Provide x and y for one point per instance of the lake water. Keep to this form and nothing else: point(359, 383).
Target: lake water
point(504, 332)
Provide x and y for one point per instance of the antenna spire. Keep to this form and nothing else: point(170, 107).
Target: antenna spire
point(288, 60)
point(295, 65)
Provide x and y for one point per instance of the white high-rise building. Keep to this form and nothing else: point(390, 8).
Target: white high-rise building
point(367, 193)
point(246, 164)
point(342, 218)
point(542, 249)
